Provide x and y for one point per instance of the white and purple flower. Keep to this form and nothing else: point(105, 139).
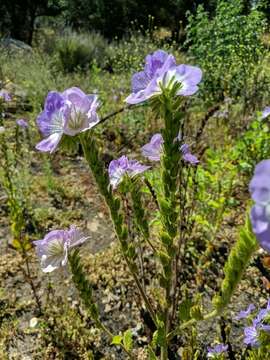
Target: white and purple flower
point(5, 95)
point(259, 188)
point(252, 332)
point(22, 123)
point(266, 112)
point(152, 150)
point(243, 314)
point(216, 350)
point(53, 249)
point(123, 166)
point(187, 156)
point(161, 71)
point(70, 113)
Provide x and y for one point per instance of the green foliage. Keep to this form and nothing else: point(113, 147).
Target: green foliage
point(128, 54)
point(116, 20)
point(253, 146)
point(215, 182)
point(228, 48)
point(83, 285)
point(15, 181)
point(235, 266)
point(18, 17)
point(184, 310)
point(81, 51)
point(125, 340)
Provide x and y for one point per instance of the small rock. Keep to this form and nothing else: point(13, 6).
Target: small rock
point(108, 308)
point(33, 322)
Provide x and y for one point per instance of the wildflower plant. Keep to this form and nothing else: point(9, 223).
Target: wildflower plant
point(16, 183)
point(165, 87)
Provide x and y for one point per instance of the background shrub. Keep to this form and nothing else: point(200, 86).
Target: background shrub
point(80, 51)
point(228, 47)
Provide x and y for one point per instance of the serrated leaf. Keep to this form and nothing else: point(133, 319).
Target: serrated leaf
point(117, 340)
point(127, 340)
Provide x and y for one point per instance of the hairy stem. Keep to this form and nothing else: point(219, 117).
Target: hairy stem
point(101, 176)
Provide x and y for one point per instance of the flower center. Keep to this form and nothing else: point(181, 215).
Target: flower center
point(56, 248)
point(76, 120)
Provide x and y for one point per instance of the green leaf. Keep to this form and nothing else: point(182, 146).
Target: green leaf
point(151, 354)
point(117, 340)
point(159, 337)
point(196, 312)
point(184, 310)
point(127, 340)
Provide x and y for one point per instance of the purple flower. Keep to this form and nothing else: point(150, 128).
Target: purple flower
point(22, 123)
point(245, 313)
point(187, 156)
point(70, 113)
point(252, 332)
point(53, 249)
point(251, 335)
point(263, 313)
point(122, 166)
point(152, 150)
point(216, 350)
point(161, 71)
point(266, 112)
point(259, 188)
point(4, 94)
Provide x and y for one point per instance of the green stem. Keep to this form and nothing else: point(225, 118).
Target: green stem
point(168, 203)
point(102, 179)
point(85, 290)
point(164, 352)
point(189, 323)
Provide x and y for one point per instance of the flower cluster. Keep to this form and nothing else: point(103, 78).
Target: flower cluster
point(218, 349)
point(161, 71)
point(252, 332)
point(123, 166)
point(53, 249)
point(187, 156)
point(266, 112)
point(259, 188)
point(22, 123)
point(243, 314)
point(70, 113)
point(153, 150)
point(5, 95)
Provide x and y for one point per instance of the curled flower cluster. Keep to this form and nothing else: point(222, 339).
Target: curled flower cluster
point(161, 71)
point(252, 332)
point(259, 188)
point(53, 249)
point(218, 349)
point(70, 113)
point(153, 150)
point(187, 156)
point(123, 166)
